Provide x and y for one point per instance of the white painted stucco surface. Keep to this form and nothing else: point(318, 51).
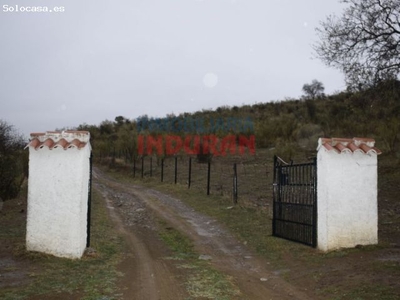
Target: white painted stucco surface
point(347, 199)
point(57, 200)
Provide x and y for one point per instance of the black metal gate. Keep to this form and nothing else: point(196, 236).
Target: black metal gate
point(295, 201)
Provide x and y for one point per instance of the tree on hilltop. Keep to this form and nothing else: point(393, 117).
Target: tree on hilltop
point(364, 43)
point(313, 90)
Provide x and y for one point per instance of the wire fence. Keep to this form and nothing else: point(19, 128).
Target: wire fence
point(245, 179)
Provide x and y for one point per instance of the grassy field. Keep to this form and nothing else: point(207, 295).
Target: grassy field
point(203, 281)
point(370, 272)
point(31, 275)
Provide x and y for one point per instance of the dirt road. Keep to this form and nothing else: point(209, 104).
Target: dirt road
point(148, 275)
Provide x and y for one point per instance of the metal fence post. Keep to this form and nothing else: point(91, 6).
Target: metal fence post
point(208, 177)
point(89, 211)
point(134, 167)
point(190, 172)
point(315, 211)
point(235, 184)
point(151, 166)
point(274, 196)
point(142, 166)
point(176, 169)
point(162, 169)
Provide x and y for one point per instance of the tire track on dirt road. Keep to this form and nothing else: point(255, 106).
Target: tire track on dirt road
point(147, 275)
point(252, 274)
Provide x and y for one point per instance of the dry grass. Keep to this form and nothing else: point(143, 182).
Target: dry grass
point(361, 273)
point(42, 276)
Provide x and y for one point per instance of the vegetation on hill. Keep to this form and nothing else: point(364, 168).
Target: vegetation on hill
point(13, 161)
point(291, 125)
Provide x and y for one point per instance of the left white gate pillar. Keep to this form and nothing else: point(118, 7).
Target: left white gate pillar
point(58, 186)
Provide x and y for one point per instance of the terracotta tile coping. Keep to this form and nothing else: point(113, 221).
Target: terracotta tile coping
point(60, 132)
point(59, 139)
point(341, 145)
point(51, 144)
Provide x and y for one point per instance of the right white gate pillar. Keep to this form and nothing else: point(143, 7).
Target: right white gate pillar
point(347, 193)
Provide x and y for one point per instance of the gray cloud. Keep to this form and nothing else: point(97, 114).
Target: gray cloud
point(100, 59)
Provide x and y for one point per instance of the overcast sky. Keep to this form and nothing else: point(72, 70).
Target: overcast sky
point(101, 59)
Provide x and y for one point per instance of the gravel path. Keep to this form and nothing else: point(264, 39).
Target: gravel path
point(135, 208)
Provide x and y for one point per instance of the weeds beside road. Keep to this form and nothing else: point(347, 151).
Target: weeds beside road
point(371, 272)
point(36, 276)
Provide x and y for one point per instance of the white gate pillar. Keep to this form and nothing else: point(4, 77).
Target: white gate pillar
point(347, 193)
point(58, 189)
